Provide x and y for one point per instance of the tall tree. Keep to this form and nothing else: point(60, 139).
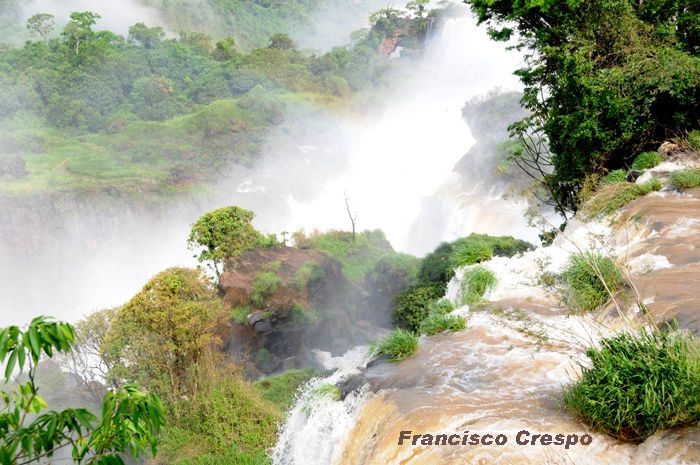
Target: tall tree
point(79, 28)
point(41, 24)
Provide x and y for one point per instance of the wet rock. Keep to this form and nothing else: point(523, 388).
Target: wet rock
point(633, 175)
point(351, 384)
point(260, 322)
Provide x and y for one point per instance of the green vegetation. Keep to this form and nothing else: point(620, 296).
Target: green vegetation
point(606, 79)
point(441, 306)
point(129, 421)
point(397, 345)
point(615, 176)
point(694, 139)
point(281, 389)
point(327, 391)
point(308, 274)
point(301, 315)
point(589, 280)
point(477, 248)
point(226, 422)
point(437, 322)
point(646, 160)
point(411, 306)
point(87, 109)
point(475, 282)
point(611, 197)
point(357, 256)
point(265, 284)
point(222, 234)
point(685, 179)
point(163, 332)
point(396, 264)
point(639, 384)
point(239, 314)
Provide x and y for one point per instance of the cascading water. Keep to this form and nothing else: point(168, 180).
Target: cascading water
point(408, 151)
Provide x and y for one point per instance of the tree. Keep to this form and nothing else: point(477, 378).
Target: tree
point(281, 41)
point(604, 79)
point(79, 28)
point(144, 36)
point(352, 217)
point(85, 363)
point(129, 424)
point(161, 335)
point(41, 24)
point(222, 234)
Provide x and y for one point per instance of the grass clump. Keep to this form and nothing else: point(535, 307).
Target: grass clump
point(397, 345)
point(694, 139)
point(615, 176)
point(281, 389)
point(470, 252)
point(585, 279)
point(475, 283)
point(264, 285)
point(412, 306)
point(638, 384)
point(685, 179)
point(441, 306)
point(327, 391)
point(612, 197)
point(301, 315)
point(439, 322)
point(646, 160)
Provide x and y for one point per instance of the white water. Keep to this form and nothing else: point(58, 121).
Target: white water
point(410, 150)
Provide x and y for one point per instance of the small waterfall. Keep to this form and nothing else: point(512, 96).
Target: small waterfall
point(317, 425)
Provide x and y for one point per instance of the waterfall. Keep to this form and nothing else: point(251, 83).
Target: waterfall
point(407, 152)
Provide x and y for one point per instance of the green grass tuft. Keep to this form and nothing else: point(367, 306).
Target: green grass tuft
point(611, 197)
point(439, 322)
point(639, 384)
point(398, 345)
point(475, 283)
point(694, 139)
point(309, 272)
point(240, 314)
point(685, 179)
point(615, 176)
point(583, 279)
point(327, 391)
point(646, 160)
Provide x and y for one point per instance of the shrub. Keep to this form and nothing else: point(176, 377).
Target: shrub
point(612, 197)
point(615, 176)
point(264, 285)
point(685, 179)
point(638, 384)
point(646, 160)
point(397, 345)
point(475, 283)
point(437, 266)
point(583, 281)
point(309, 272)
point(240, 314)
point(438, 322)
point(410, 307)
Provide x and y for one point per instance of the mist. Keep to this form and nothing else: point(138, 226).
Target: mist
point(387, 159)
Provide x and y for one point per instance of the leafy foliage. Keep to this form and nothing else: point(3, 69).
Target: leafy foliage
point(605, 79)
point(585, 280)
point(397, 345)
point(411, 306)
point(437, 322)
point(159, 337)
point(638, 384)
point(130, 420)
point(222, 234)
point(308, 274)
point(281, 389)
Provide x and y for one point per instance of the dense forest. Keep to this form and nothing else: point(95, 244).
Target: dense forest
point(90, 108)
